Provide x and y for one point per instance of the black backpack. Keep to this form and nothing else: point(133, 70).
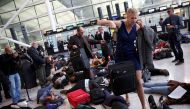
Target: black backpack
point(97, 96)
point(81, 106)
point(119, 105)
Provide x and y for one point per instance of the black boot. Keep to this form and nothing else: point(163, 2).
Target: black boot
point(162, 105)
point(151, 102)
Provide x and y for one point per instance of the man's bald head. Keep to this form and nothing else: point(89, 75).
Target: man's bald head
point(34, 44)
point(8, 50)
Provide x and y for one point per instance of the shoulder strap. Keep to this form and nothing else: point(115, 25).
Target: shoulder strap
point(86, 84)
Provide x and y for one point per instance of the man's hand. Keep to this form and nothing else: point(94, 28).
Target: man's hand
point(170, 26)
point(75, 46)
point(102, 41)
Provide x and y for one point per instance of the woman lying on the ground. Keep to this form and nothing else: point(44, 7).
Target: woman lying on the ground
point(166, 88)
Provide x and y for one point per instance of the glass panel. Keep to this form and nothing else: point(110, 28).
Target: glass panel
point(27, 14)
point(1, 23)
point(6, 16)
point(98, 1)
point(186, 13)
point(8, 33)
point(18, 31)
point(7, 7)
point(84, 13)
point(65, 17)
point(31, 25)
point(80, 2)
point(41, 9)
point(3, 43)
point(61, 4)
point(44, 22)
point(3, 33)
point(20, 2)
point(35, 36)
point(66, 3)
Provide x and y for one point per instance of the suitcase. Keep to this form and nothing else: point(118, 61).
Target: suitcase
point(79, 59)
point(78, 97)
point(122, 77)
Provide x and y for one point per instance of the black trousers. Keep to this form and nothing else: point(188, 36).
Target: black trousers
point(176, 46)
point(5, 85)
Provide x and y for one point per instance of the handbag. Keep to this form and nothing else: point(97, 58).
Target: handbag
point(178, 37)
point(146, 75)
point(79, 59)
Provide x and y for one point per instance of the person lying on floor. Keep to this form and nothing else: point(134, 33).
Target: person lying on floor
point(82, 84)
point(166, 88)
point(60, 80)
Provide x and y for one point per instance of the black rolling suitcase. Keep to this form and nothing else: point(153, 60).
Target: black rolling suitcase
point(122, 77)
point(79, 59)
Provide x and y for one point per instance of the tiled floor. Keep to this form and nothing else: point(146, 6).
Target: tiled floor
point(180, 73)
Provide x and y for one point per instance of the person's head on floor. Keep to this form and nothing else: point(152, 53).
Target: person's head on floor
point(80, 31)
point(73, 79)
point(49, 59)
point(131, 16)
point(101, 30)
point(170, 11)
point(35, 45)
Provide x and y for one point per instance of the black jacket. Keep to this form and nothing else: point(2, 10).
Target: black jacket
point(107, 37)
point(37, 59)
point(105, 49)
point(82, 42)
point(9, 65)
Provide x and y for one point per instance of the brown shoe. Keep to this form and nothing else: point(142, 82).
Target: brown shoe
point(63, 92)
point(179, 62)
point(164, 72)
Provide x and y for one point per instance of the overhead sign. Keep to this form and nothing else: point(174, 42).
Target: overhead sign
point(93, 22)
point(80, 24)
point(49, 32)
point(151, 10)
point(59, 29)
point(70, 27)
point(162, 8)
point(185, 3)
point(174, 5)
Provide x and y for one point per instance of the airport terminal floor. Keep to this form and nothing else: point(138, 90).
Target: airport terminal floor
point(179, 73)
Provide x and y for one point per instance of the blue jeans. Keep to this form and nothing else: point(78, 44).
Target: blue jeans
point(15, 87)
point(156, 88)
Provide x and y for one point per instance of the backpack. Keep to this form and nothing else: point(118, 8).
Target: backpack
point(81, 106)
point(119, 105)
point(97, 96)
